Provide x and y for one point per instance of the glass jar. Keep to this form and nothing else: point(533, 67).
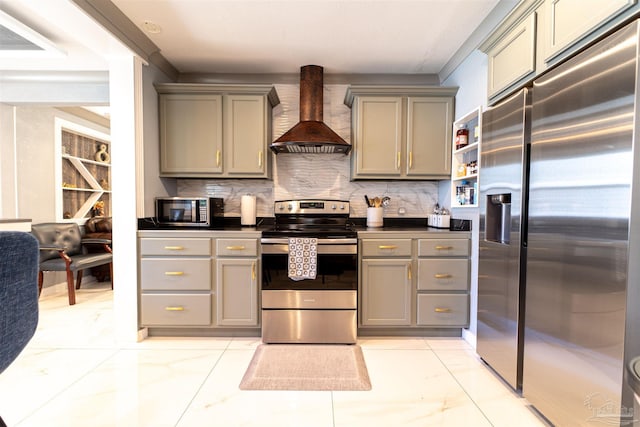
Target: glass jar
point(462, 137)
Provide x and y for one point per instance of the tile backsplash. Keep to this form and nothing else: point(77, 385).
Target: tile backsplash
point(298, 176)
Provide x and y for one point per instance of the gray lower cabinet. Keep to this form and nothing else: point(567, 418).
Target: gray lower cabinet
point(386, 297)
point(443, 282)
point(414, 280)
point(237, 282)
point(209, 282)
point(175, 282)
point(385, 291)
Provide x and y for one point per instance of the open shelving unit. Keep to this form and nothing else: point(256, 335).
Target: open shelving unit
point(84, 178)
point(461, 179)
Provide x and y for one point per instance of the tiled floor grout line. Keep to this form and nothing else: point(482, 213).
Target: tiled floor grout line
point(202, 384)
point(462, 387)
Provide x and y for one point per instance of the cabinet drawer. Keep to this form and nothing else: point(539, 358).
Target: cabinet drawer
point(175, 247)
point(175, 309)
point(237, 247)
point(386, 247)
point(175, 274)
point(443, 309)
point(443, 274)
point(443, 247)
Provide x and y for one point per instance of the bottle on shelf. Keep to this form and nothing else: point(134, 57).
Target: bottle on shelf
point(462, 137)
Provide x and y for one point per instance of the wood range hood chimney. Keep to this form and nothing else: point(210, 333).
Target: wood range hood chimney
point(311, 134)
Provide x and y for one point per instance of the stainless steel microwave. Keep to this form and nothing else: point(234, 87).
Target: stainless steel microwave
point(189, 211)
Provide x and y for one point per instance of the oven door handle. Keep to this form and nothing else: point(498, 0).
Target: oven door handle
point(285, 241)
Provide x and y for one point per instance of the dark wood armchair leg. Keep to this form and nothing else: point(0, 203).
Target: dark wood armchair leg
point(71, 288)
point(111, 274)
point(40, 281)
point(79, 279)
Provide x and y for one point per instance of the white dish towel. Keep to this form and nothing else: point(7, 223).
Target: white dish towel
point(303, 258)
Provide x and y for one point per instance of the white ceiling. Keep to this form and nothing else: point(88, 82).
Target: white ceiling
point(264, 36)
point(344, 36)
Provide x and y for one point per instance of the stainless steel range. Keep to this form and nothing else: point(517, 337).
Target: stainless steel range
point(320, 309)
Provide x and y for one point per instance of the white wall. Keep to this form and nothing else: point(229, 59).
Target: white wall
point(471, 78)
point(154, 186)
point(27, 168)
point(8, 185)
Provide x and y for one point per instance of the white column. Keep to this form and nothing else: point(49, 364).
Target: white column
point(125, 76)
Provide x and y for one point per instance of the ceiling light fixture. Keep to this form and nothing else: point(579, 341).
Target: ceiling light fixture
point(151, 27)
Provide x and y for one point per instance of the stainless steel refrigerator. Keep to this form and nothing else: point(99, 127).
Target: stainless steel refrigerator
point(559, 230)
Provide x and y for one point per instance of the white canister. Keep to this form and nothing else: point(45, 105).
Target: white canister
point(374, 217)
point(248, 210)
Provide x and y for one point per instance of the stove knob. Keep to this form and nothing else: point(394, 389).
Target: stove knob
point(342, 206)
point(290, 207)
point(334, 207)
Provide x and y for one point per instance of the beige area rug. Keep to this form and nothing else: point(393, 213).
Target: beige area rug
point(306, 367)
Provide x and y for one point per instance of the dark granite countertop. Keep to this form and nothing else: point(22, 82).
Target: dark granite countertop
point(266, 223)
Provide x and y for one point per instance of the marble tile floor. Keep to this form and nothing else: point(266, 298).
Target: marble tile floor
point(73, 373)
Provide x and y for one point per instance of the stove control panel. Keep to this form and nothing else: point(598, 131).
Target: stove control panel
point(312, 207)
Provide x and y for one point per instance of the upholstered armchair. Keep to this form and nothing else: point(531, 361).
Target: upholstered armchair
point(63, 248)
point(18, 293)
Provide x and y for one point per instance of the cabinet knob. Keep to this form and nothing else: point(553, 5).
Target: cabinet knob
point(442, 310)
point(235, 248)
point(174, 308)
point(444, 248)
point(174, 248)
point(442, 276)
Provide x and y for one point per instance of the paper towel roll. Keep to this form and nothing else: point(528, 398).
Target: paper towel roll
point(248, 210)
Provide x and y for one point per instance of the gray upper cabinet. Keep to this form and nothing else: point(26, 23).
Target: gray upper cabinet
point(401, 132)
point(379, 136)
point(539, 34)
point(570, 20)
point(190, 134)
point(247, 127)
point(217, 131)
point(513, 58)
point(429, 120)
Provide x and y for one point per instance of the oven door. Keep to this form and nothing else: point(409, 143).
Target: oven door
point(337, 266)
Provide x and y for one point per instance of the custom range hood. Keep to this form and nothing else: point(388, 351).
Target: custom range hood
point(310, 135)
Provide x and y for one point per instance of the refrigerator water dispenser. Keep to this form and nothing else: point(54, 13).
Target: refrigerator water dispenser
point(498, 218)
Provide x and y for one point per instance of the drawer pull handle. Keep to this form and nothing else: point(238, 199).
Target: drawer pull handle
point(443, 248)
point(398, 162)
point(442, 276)
point(235, 248)
point(387, 247)
point(260, 155)
point(253, 271)
point(410, 159)
point(174, 248)
point(409, 269)
point(442, 310)
point(174, 308)
point(173, 273)
point(218, 157)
